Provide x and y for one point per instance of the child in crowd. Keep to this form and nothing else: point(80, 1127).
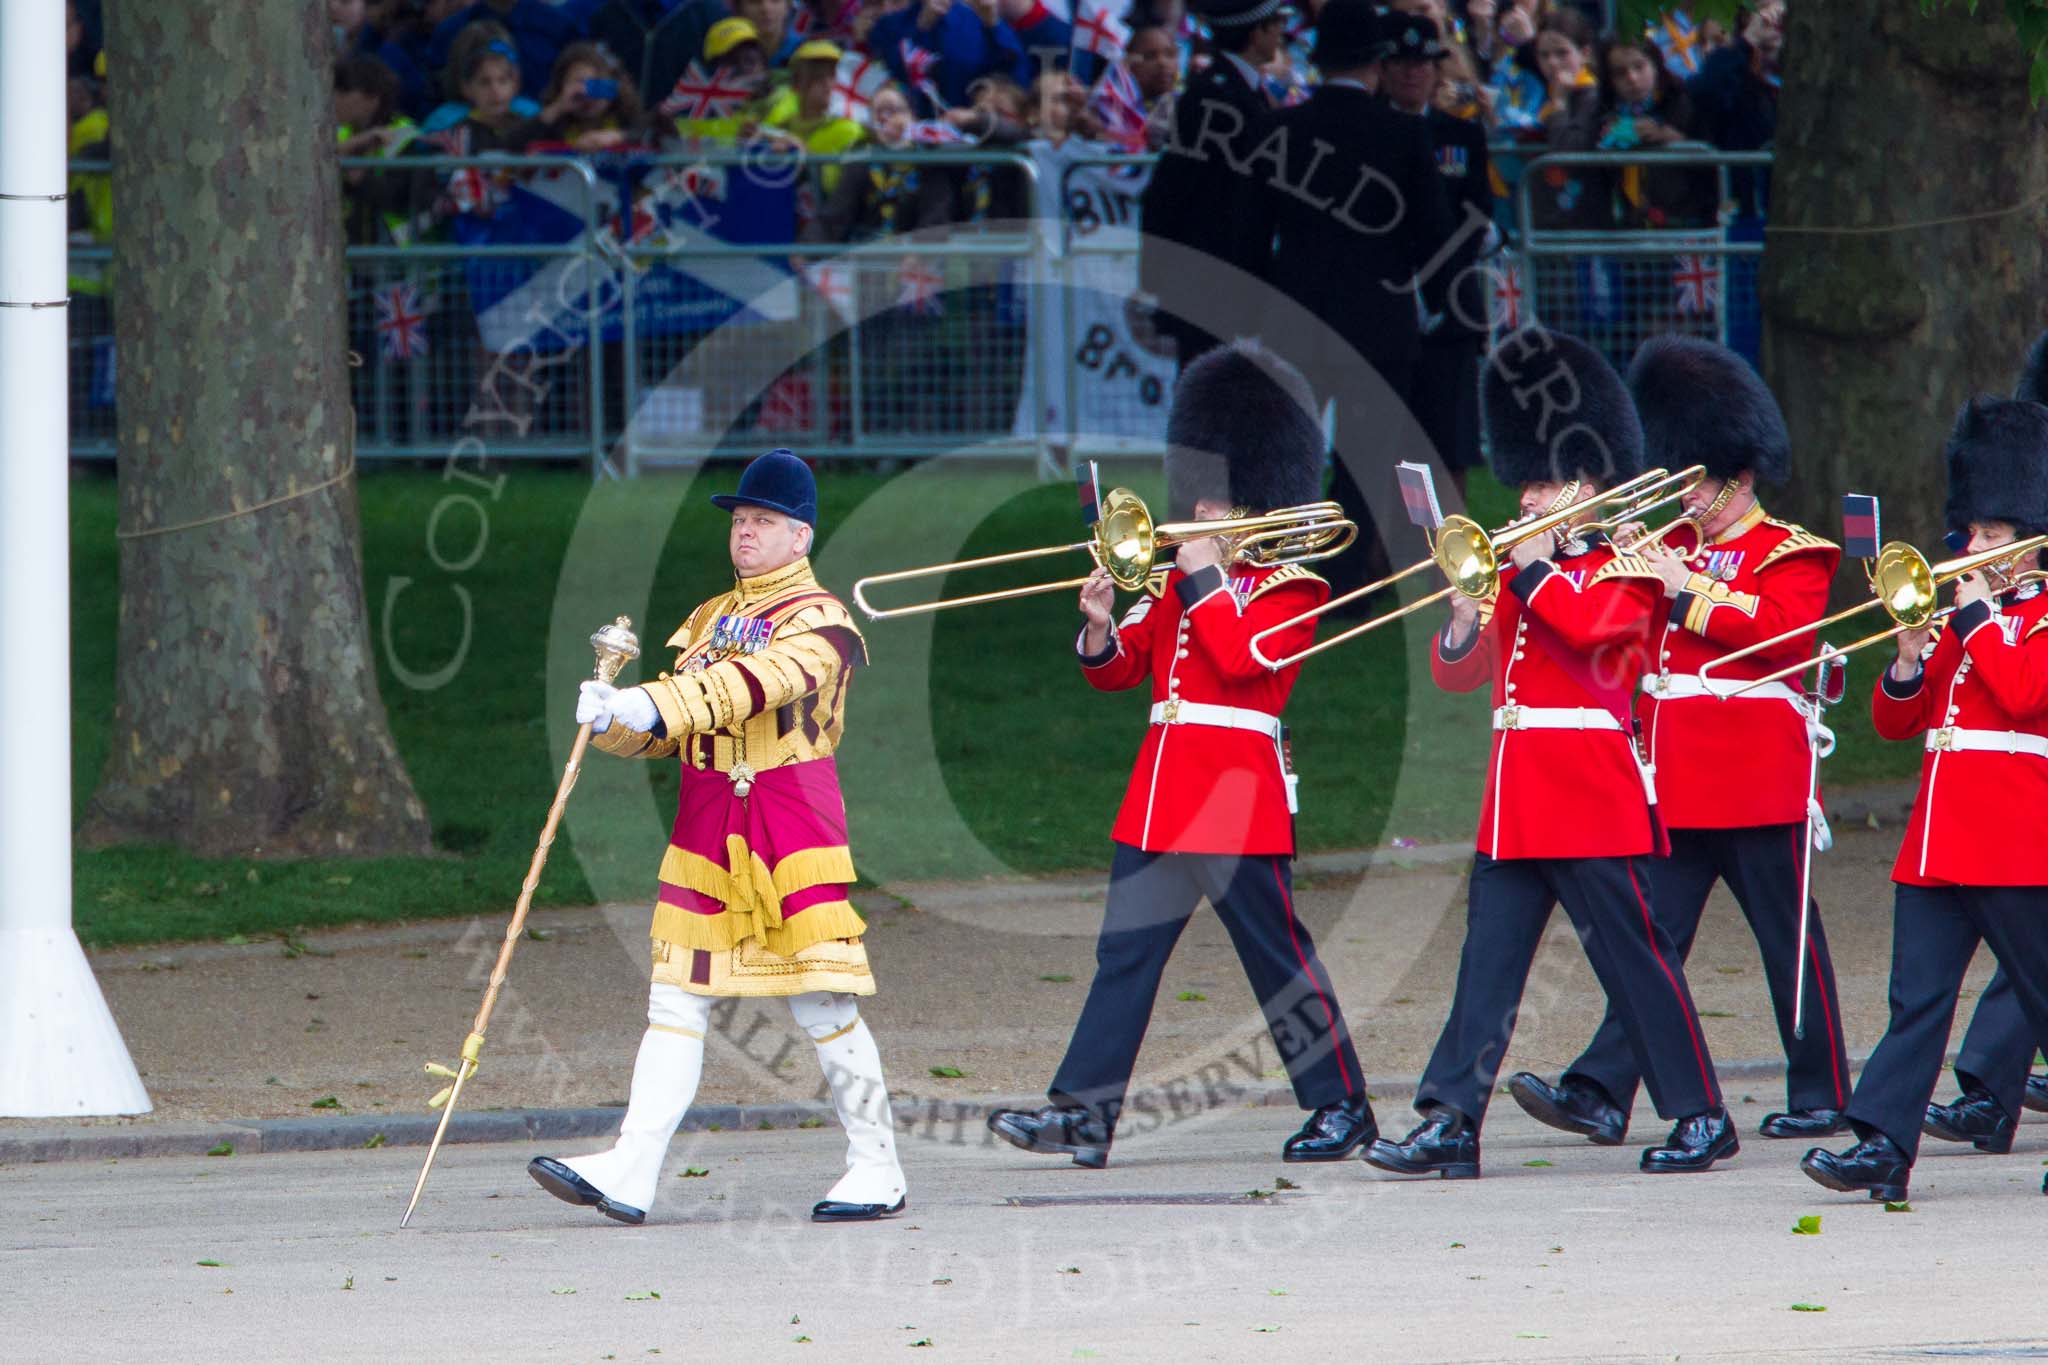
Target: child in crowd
point(489, 82)
point(590, 104)
point(876, 198)
point(1641, 104)
point(375, 205)
point(771, 20)
point(481, 36)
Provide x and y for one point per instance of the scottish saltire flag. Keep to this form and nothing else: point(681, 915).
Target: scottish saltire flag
point(1418, 495)
point(1117, 104)
point(401, 322)
point(1860, 527)
point(546, 302)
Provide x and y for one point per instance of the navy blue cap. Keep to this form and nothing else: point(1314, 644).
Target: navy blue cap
point(778, 481)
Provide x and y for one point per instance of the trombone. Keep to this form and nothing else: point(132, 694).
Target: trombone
point(1470, 556)
point(1128, 543)
point(1907, 586)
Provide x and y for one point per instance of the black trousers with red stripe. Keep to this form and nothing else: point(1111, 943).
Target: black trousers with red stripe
point(1935, 933)
point(1608, 900)
point(1761, 866)
point(1151, 898)
point(1998, 1047)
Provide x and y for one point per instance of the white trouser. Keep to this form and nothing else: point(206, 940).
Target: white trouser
point(671, 1062)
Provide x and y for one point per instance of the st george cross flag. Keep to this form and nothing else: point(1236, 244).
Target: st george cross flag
point(401, 323)
point(854, 85)
point(1089, 482)
point(1097, 29)
point(1860, 529)
point(833, 282)
point(1418, 495)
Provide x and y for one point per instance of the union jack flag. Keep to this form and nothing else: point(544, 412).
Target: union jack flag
point(1697, 281)
point(787, 404)
point(935, 133)
point(920, 284)
point(854, 85)
point(401, 323)
point(920, 69)
point(1120, 107)
point(1098, 30)
point(1507, 295)
point(701, 96)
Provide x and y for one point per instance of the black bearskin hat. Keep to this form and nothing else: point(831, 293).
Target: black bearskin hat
point(1702, 404)
point(1242, 430)
point(1998, 454)
point(1556, 410)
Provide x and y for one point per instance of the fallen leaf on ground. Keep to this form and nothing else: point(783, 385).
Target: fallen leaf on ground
point(1283, 1183)
point(1539, 1161)
point(561, 1291)
point(1897, 1206)
point(539, 935)
point(1057, 978)
point(812, 1122)
point(690, 1172)
point(225, 1149)
point(375, 1141)
point(950, 1073)
point(1807, 1226)
point(634, 1298)
point(211, 1265)
point(1191, 995)
point(1809, 1308)
point(327, 1102)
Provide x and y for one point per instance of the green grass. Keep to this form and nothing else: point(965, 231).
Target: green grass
point(974, 747)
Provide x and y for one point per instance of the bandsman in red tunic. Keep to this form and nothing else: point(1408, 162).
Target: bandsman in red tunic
point(1735, 775)
point(1207, 813)
point(752, 898)
point(1972, 868)
point(1570, 811)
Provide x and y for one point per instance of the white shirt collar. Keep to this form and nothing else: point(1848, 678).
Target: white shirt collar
point(1246, 70)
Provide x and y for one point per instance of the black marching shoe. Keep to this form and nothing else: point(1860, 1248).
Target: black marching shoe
point(1875, 1165)
point(2037, 1100)
point(1696, 1142)
point(1976, 1118)
point(1803, 1123)
point(1071, 1129)
point(839, 1211)
point(571, 1188)
point(1442, 1145)
point(1333, 1132)
point(1574, 1104)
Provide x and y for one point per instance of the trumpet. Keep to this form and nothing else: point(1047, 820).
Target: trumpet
point(1129, 544)
point(1470, 556)
point(1908, 587)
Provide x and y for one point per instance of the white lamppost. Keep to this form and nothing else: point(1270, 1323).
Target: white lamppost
point(60, 1050)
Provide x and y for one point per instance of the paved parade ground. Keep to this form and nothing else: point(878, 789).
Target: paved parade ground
point(1166, 1256)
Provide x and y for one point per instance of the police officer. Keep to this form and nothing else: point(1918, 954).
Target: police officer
point(1199, 198)
point(1569, 814)
point(1207, 812)
point(1354, 208)
point(1966, 872)
point(1735, 775)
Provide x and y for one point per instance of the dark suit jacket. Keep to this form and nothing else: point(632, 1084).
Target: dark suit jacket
point(1351, 199)
point(1199, 198)
point(1468, 183)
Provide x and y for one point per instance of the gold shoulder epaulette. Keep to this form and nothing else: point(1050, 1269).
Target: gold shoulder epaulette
point(1281, 577)
point(2036, 628)
point(824, 613)
point(1798, 540)
point(1624, 566)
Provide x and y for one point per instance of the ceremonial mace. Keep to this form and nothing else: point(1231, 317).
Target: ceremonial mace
point(616, 647)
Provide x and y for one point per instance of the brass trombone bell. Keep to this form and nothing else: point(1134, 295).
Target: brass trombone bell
point(1469, 556)
point(1129, 544)
point(1907, 587)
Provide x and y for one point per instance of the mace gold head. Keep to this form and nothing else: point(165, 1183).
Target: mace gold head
point(616, 646)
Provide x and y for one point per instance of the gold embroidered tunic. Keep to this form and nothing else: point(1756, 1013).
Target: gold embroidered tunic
point(753, 885)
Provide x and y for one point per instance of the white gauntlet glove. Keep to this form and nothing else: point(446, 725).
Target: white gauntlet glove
point(599, 704)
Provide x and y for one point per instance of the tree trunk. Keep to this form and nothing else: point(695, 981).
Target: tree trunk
point(1872, 340)
point(247, 720)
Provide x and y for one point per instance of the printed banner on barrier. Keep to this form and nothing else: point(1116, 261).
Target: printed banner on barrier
point(544, 304)
point(1093, 369)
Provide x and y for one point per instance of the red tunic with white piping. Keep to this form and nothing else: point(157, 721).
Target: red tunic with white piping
point(1735, 762)
point(1556, 789)
point(1980, 709)
point(1208, 777)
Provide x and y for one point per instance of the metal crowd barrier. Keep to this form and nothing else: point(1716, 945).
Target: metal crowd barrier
point(1616, 288)
point(972, 340)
